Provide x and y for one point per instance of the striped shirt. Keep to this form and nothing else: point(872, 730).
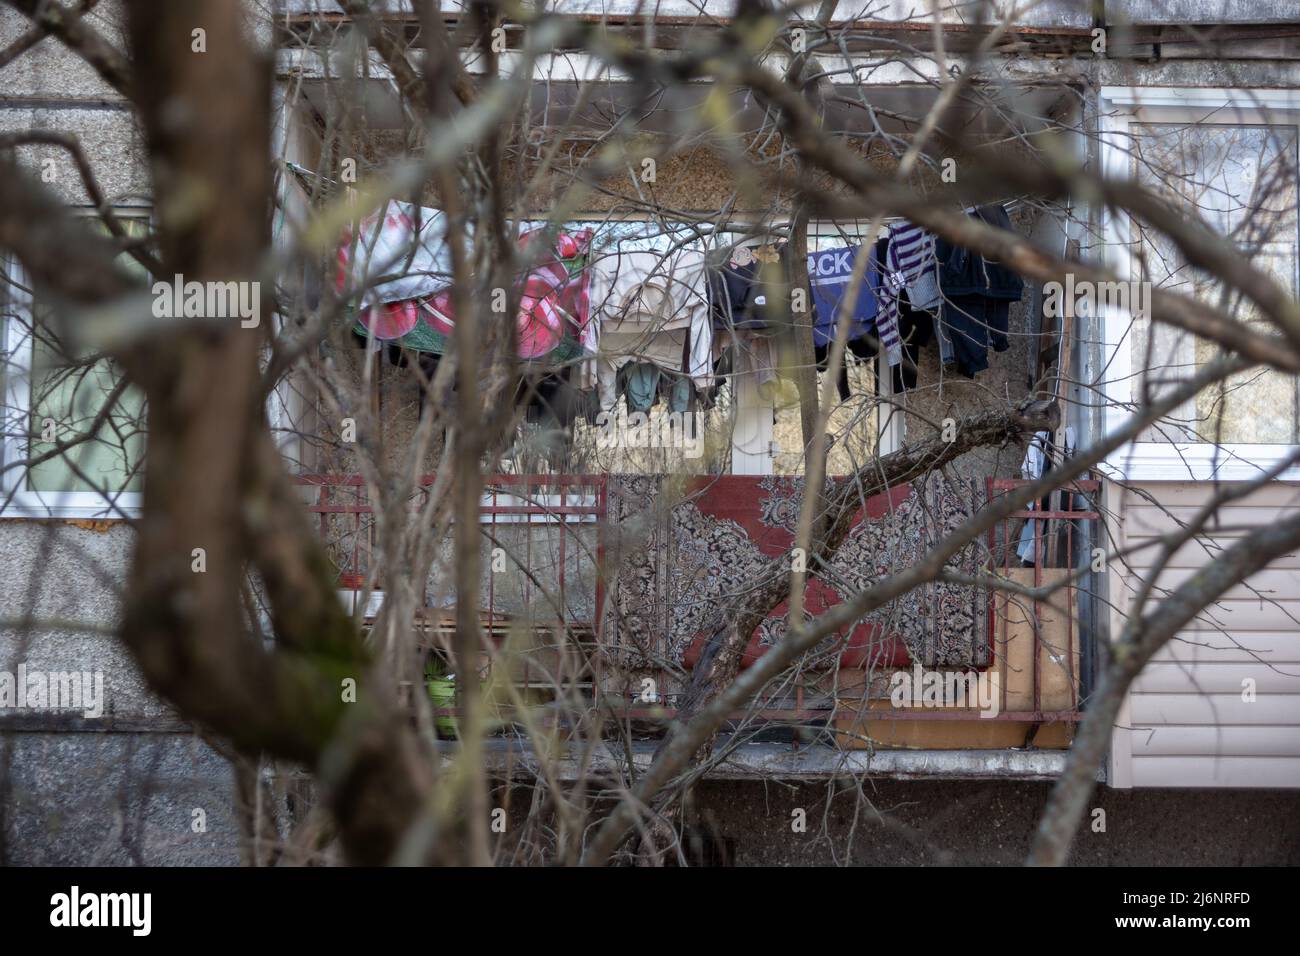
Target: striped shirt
point(909, 264)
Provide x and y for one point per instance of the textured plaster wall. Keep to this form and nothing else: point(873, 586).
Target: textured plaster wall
point(94, 797)
point(68, 581)
point(50, 88)
point(80, 798)
point(49, 68)
point(116, 800)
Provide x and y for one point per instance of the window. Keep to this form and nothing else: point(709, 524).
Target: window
point(1231, 157)
point(73, 429)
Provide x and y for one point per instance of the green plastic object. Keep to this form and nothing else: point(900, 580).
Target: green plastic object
point(442, 693)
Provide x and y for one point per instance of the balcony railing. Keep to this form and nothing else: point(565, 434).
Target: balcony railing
point(550, 532)
point(1058, 536)
point(543, 531)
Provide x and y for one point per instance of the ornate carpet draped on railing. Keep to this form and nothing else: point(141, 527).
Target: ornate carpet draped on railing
point(683, 549)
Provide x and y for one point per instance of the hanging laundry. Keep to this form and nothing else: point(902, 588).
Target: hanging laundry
point(915, 328)
point(1030, 470)
point(739, 292)
point(1041, 456)
point(401, 240)
point(968, 319)
point(643, 384)
point(918, 277)
point(652, 308)
point(864, 348)
point(553, 301)
point(908, 272)
point(977, 296)
point(745, 298)
point(389, 321)
point(829, 274)
point(947, 351)
point(553, 400)
point(553, 320)
point(749, 352)
point(912, 266)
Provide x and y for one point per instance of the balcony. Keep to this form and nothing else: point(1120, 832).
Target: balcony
point(597, 591)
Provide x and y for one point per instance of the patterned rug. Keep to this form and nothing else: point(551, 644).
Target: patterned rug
point(684, 550)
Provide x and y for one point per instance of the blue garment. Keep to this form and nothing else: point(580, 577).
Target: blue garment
point(977, 298)
point(644, 383)
point(829, 273)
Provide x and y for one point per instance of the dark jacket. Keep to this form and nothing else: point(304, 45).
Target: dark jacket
point(963, 272)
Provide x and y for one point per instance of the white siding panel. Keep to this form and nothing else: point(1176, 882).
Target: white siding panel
point(1184, 723)
point(1215, 677)
point(1253, 615)
point(1219, 741)
point(1192, 494)
point(1234, 616)
point(1236, 772)
point(1277, 648)
point(1233, 520)
point(1213, 709)
point(1196, 553)
point(1269, 584)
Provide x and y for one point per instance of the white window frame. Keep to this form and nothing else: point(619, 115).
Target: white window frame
point(1119, 108)
point(19, 501)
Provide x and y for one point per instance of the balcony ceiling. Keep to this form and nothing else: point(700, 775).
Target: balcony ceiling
point(989, 111)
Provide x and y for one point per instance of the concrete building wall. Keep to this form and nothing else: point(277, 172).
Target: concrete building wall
point(77, 791)
point(50, 88)
point(1048, 13)
point(1197, 12)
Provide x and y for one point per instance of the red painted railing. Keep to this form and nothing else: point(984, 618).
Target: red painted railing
point(556, 505)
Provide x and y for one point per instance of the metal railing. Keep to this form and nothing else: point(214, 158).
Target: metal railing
point(1043, 547)
point(1033, 548)
point(549, 526)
